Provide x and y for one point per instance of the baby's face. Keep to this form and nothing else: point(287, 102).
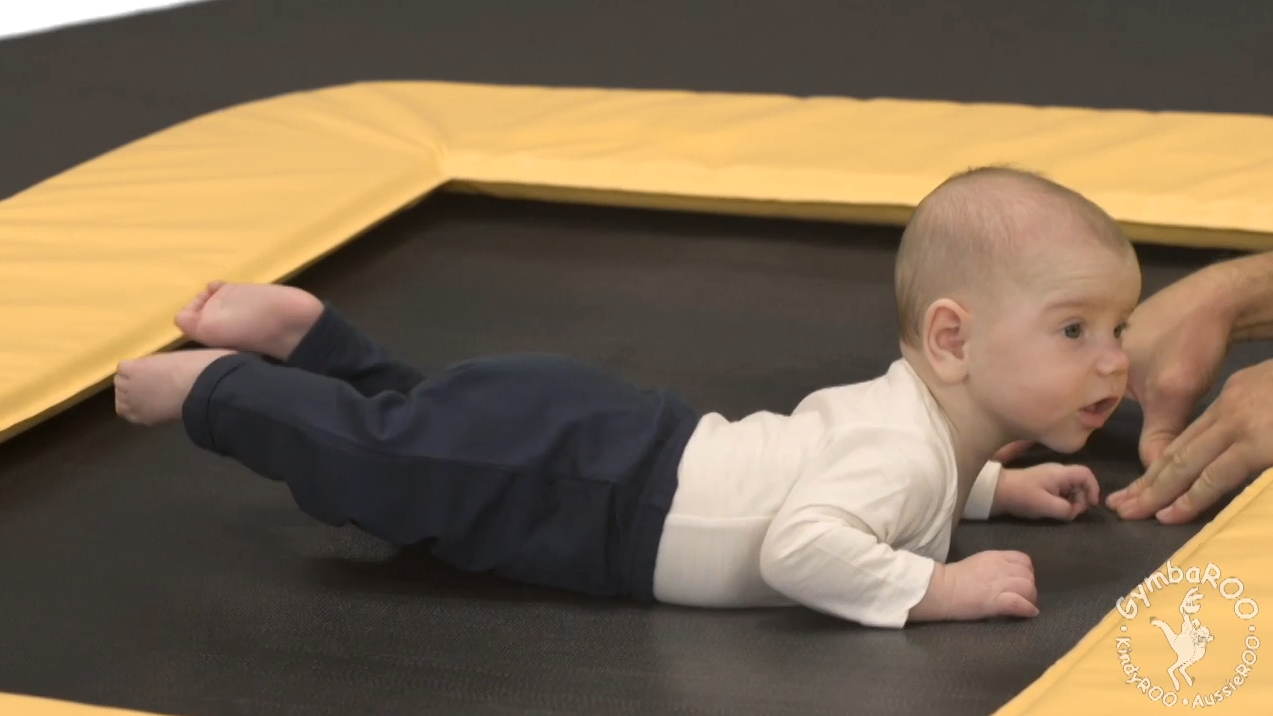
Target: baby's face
point(1052, 366)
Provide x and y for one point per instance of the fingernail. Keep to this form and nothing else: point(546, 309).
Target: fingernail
point(1125, 511)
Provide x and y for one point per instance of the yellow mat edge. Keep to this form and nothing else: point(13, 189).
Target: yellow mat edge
point(1050, 679)
point(160, 334)
point(893, 215)
point(27, 705)
point(165, 336)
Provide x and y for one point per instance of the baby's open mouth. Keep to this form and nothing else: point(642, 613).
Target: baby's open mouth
point(1101, 407)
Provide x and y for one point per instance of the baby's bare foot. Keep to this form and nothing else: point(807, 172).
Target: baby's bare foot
point(257, 318)
point(151, 390)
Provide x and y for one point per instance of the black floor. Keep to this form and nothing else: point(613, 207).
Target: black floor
point(144, 574)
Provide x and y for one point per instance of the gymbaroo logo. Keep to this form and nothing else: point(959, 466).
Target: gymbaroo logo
point(1194, 633)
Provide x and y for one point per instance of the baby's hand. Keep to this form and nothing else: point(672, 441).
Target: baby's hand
point(1055, 491)
point(985, 585)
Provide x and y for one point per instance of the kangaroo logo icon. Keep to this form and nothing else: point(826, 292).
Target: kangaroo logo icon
point(1190, 644)
point(1228, 629)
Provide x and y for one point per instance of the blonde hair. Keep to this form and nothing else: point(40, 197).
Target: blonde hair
point(968, 233)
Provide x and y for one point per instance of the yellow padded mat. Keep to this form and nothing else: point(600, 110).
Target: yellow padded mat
point(95, 261)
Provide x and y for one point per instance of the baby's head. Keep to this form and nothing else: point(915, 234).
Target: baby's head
point(1012, 294)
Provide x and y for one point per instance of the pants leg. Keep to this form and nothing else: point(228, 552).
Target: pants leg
point(334, 348)
point(531, 467)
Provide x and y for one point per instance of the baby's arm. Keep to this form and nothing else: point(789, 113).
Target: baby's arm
point(1049, 491)
point(830, 546)
point(1052, 490)
point(830, 561)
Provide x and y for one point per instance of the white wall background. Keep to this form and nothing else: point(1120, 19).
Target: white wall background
point(25, 17)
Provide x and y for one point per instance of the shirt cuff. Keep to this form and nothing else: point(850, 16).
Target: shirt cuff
point(982, 496)
point(893, 603)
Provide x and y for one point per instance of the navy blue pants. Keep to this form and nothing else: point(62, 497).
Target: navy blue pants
point(536, 468)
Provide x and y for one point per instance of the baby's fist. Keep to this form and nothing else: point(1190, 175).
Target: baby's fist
point(1050, 491)
point(991, 584)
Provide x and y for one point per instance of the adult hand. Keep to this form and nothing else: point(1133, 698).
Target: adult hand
point(1230, 442)
point(1177, 341)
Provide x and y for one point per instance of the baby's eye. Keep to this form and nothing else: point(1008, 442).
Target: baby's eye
point(1074, 330)
point(1118, 332)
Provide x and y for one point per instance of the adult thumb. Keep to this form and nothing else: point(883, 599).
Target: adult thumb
point(1164, 420)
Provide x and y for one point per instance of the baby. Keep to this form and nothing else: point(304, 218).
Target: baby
point(1012, 293)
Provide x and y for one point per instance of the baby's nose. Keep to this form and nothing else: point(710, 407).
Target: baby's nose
point(1115, 361)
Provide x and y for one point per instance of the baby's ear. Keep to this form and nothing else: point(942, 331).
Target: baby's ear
point(945, 337)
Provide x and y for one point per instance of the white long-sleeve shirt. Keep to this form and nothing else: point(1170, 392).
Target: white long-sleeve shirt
point(843, 506)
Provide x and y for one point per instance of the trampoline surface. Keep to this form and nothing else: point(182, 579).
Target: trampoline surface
point(144, 574)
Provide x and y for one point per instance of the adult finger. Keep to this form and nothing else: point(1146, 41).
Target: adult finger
point(1223, 475)
point(1132, 492)
point(1117, 498)
point(1165, 418)
point(1179, 468)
